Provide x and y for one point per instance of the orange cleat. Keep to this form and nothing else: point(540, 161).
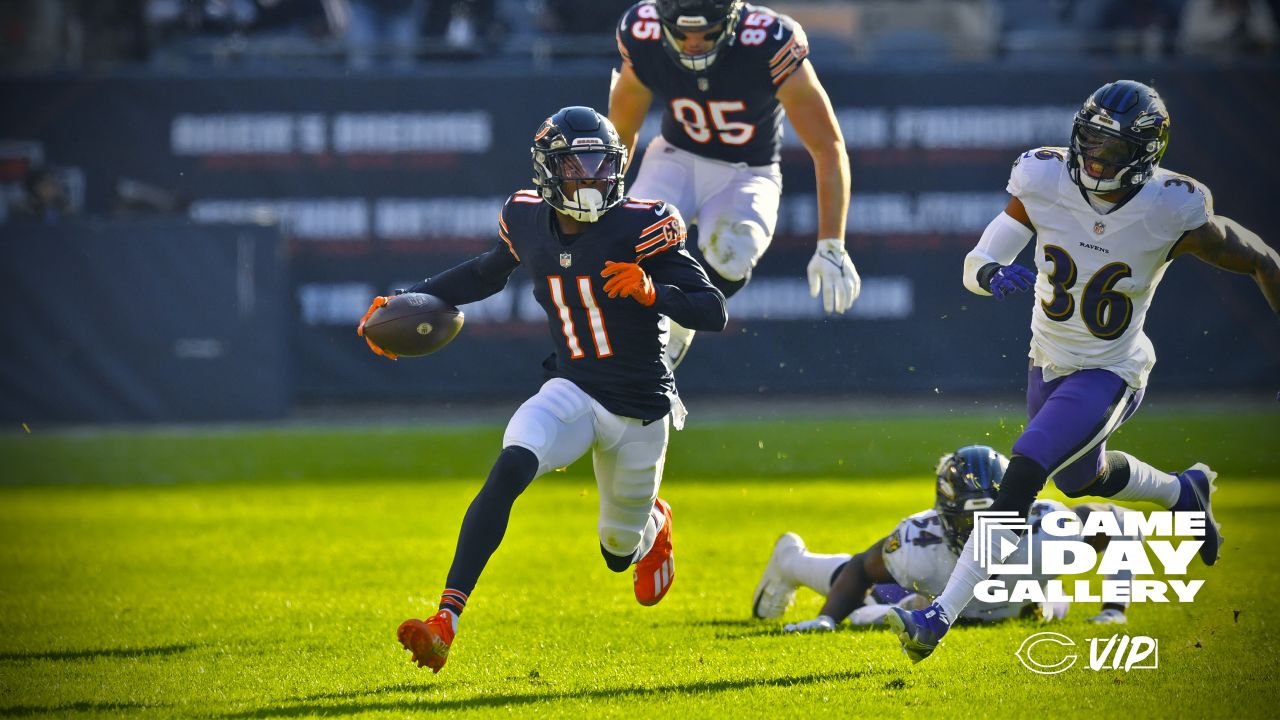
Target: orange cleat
point(657, 569)
point(428, 640)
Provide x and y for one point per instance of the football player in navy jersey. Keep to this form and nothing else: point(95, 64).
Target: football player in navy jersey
point(725, 72)
point(611, 274)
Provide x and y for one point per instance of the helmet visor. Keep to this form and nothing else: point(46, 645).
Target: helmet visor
point(586, 166)
point(1103, 154)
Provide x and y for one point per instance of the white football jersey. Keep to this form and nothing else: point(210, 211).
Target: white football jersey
point(1097, 271)
point(919, 558)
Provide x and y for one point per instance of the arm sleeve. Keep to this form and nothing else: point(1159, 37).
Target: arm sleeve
point(683, 291)
point(473, 280)
point(1000, 244)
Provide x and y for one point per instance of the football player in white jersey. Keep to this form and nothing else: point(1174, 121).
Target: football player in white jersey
point(910, 566)
point(1107, 221)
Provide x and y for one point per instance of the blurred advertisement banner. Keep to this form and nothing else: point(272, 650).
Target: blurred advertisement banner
point(377, 182)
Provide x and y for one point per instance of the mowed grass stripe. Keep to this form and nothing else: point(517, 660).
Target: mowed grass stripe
point(1240, 443)
point(238, 600)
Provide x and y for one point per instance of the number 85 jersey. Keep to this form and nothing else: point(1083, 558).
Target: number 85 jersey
point(729, 112)
point(1097, 271)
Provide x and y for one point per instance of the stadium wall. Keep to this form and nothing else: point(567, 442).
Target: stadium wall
point(142, 320)
point(379, 181)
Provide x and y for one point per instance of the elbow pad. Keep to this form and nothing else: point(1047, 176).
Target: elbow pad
point(1000, 244)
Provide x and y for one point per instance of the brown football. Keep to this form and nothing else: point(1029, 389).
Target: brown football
point(413, 324)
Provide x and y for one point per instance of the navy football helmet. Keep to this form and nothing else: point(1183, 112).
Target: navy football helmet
point(968, 480)
point(717, 18)
point(579, 144)
point(1118, 137)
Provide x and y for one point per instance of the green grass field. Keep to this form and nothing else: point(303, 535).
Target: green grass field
point(262, 573)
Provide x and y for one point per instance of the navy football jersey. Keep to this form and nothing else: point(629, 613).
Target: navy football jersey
point(611, 348)
point(730, 112)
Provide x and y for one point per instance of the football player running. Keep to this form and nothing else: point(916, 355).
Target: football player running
point(1107, 221)
point(910, 566)
point(610, 273)
point(725, 73)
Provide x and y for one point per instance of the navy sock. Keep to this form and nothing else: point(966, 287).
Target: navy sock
point(617, 563)
point(486, 520)
point(1023, 481)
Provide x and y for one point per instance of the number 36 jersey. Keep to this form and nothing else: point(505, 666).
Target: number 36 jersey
point(1098, 271)
point(730, 112)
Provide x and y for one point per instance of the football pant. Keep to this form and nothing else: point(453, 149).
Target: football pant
point(562, 422)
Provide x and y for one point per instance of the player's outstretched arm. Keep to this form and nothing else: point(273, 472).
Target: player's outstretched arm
point(629, 102)
point(473, 280)
point(809, 109)
point(849, 590)
point(989, 268)
point(1225, 243)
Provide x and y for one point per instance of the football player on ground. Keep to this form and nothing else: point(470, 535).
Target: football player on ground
point(910, 566)
point(725, 72)
point(611, 273)
point(1107, 221)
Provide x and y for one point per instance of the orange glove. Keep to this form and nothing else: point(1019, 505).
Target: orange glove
point(377, 303)
point(629, 280)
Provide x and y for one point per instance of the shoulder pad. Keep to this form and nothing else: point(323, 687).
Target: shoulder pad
point(523, 197)
point(893, 542)
point(1188, 201)
point(661, 227)
point(518, 199)
point(1037, 171)
point(778, 38)
point(639, 25)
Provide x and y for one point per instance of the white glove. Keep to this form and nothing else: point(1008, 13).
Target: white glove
point(869, 615)
point(832, 272)
point(822, 623)
point(1110, 616)
point(1050, 611)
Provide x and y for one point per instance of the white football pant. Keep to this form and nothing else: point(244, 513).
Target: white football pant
point(734, 205)
point(561, 422)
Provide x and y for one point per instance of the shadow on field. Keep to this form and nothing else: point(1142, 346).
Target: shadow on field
point(62, 710)
point(737, 629)
point(141, 652)
point(746, 629)
point(517, 699)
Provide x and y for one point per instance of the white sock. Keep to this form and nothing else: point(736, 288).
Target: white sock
point(968, 573)
point(678, 344)
point(453, 618)
point(1148, 483)
point(814, 571)
point(651, 530)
